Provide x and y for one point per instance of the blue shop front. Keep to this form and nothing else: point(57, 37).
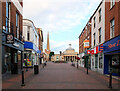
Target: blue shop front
point(12, 54)
point(31, 54)
point(112, 55)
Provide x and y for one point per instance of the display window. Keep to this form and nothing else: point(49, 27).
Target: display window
point(100, 61)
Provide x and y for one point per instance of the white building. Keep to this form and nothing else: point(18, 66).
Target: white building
point(31, 42)
point(98, 37)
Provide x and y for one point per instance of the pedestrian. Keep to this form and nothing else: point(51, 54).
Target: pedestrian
point(26, 65)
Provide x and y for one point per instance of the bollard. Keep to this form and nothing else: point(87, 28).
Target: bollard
point(23, 84)
point(110, 80)
point(87, 69)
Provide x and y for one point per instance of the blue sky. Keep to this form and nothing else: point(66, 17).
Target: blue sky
point(64, 19)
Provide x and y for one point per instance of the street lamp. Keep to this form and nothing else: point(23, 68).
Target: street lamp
point(23, 84)
point(77, 61)
point(88, 24)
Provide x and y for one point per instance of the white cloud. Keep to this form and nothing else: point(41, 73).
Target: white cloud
point(57, 46)
point(58, 16)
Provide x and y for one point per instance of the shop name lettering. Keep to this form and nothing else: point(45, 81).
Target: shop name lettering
point(114, 45)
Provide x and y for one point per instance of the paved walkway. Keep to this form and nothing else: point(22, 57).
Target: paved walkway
point(60, 76)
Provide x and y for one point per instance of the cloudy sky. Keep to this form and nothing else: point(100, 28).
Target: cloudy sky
point(64, 19)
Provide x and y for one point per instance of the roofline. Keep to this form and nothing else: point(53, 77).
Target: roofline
point(91, 17)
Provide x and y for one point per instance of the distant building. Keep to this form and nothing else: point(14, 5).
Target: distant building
point(70, 54)
point(57, 57)
point(40, 34)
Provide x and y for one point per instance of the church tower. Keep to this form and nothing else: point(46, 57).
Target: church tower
point(48, 44)
point(47, 51)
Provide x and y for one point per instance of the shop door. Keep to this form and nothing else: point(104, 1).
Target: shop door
point(8, 62)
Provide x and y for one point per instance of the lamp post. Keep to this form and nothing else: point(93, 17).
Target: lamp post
point(77, 61)
point(88, 24)
point(23, 84)
point(22, 70)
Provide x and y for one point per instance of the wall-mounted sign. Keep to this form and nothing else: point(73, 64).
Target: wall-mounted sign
point(9, 38)
point(86, 44)
point(16, 45)
point(112, 45)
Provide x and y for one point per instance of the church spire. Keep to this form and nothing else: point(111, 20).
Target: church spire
point(48, 44)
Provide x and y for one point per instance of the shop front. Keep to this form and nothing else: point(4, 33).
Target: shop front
point(11, 54)
point(31, 54)
point(97, 59)
point(82, 62)
point(112, 56)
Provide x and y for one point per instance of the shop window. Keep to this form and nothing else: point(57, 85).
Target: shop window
point(100, 61)
point(96, 61)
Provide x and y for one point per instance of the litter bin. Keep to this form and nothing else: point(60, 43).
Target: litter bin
point(36, 69)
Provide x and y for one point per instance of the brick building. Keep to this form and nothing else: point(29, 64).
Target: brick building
point(12, 45)
point(105, 38)
point(112, 38)
point(40, 33)
point(85, 35)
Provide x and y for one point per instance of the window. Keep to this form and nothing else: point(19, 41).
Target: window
point(7, 16)
point(99, 35)
point(94, 38)
point(17, 25)
point(28, 33)
point(112, 25)
point(99, 15)
point(94, 21)
point(112, 3)
point(100, 61)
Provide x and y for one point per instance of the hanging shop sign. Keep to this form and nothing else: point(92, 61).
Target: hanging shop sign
point(86, 44)
point(9, 38)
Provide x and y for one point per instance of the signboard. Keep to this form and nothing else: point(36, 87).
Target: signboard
point(9, 38)
point(86, 44)
point(88, 51)
point(112, 45)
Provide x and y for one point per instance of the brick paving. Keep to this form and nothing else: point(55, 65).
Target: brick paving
point(60, 76)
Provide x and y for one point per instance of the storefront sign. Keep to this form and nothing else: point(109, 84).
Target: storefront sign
point(112, 45)
point(88, 51)
point(9, 38)
point(86, 43)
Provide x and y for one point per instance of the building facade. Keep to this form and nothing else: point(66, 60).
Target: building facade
point(70, 54)
point(31, 43)
point(85, 35)
point(105, 39)
point(112, 38)
point(57, 57)
point(12, 40)
point(98, 37)
point(40, 33)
